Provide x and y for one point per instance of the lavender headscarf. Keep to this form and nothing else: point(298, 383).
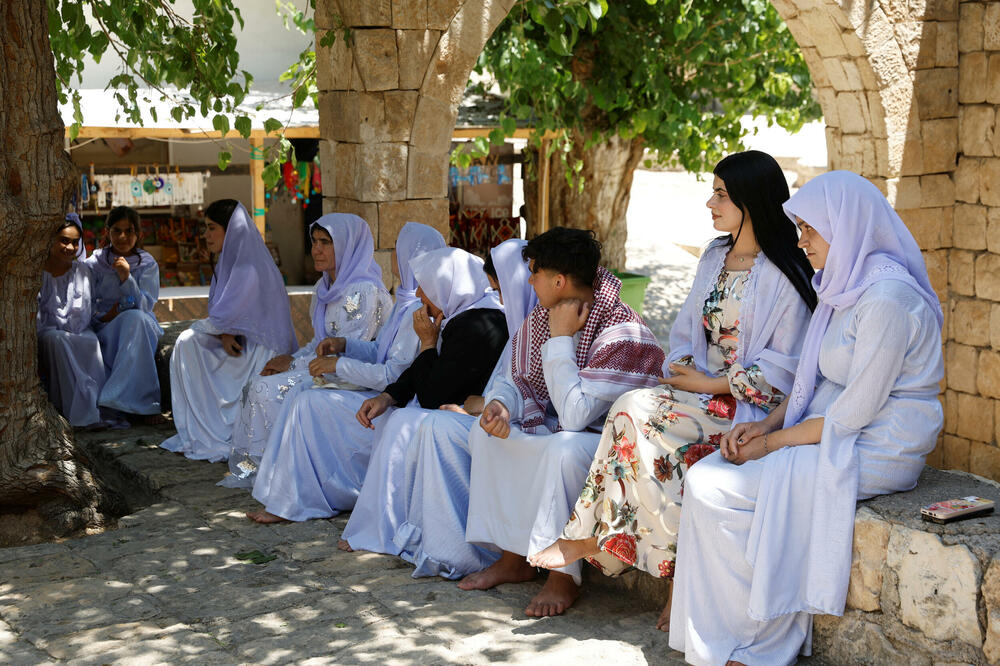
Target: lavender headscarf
point(454, 281)
point(414, 239)
point(519, 297)
point(247, 295)
point(868, 243)
point(81, 251)
point(355, 256)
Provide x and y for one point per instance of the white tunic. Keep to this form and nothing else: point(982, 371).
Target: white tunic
point(880, 363)
point(359, 314)
point(523, 488)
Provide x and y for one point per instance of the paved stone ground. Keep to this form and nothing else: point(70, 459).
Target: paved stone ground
point(168, 588)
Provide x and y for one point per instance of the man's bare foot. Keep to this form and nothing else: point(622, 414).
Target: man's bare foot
point(510, 568)
point(265, 517)
point(564, 552)
point(344, 546)
point(558, 594)
point(663, 622)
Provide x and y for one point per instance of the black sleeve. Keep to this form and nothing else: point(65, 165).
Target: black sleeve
point(471, 343)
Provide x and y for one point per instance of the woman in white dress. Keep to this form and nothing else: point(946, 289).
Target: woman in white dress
point(859, 421)
point(126, 286)
point(249, 322)
point(69, 354)
point(438, 463)
point(349, 301)
point(459, 348)
point(319, 425)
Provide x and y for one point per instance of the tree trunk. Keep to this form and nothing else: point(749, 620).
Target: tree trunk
point(607, 173)
point(40, 466)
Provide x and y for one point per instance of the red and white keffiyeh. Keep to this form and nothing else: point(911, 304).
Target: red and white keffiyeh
point(616, 352)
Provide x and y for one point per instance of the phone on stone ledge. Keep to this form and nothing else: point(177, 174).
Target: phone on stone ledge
point(957, 509)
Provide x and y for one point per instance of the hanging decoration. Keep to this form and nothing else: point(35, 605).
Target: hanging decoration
point(300, 181)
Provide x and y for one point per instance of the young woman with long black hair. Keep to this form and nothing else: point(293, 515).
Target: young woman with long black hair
point(733, 352)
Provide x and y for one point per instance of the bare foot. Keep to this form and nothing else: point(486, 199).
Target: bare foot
point(265, 517)
point(564, 552)
point(558, 594)
point(663, 622)
point(510, 568)
point(344, 546)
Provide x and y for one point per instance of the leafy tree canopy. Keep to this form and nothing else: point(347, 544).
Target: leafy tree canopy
point(677, 74)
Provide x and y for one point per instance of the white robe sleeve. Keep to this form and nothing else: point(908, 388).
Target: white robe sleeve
point(141, 291)
point(575, 408)
point(404, 348)
point(883, 330)
point(365, 351)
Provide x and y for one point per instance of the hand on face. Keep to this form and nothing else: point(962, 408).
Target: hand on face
point(567, 317)
point(426, 328)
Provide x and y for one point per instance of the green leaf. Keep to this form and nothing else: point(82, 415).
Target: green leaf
point(221, 124)
point(225, 157)
point(271, 125)
point(243, 126)
point(271, 174)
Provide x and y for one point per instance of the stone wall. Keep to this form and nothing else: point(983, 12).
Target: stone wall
point(909, 91)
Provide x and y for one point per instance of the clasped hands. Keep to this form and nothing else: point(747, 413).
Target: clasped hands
point(745, 442)
point(326, 359)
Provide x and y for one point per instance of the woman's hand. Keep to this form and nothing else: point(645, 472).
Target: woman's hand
point(331, 346)
point(474, 405)
point(277, 365)
point(121, 267)
point(230, 345)
point(567, 317)
point(110, 314)
point(740, 435)
point(688, 378)
point(374, 407)
point(752, 449)
point(323, 365)
point(496, 419)
point(426, 328)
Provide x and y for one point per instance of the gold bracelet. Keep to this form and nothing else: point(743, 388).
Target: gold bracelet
point(765, 444)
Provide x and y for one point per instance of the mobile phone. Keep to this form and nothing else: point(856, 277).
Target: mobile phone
point(956, 509)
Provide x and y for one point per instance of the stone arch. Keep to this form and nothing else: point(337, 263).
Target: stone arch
point(908, 89)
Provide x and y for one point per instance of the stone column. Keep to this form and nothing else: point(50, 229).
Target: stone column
point(388, 102)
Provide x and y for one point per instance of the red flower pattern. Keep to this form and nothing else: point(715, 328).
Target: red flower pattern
point(621, 546)
point(666, 568)
point(696, 452)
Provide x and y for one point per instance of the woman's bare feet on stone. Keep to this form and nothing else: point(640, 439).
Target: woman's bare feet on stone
point(510, 568)
point(344, 546)
point(663, 622)
point(558, 594)
point(265, 517)
point(564, 552)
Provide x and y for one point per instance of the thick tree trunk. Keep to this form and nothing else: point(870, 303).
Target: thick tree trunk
point(607, 173)
point(40, 467)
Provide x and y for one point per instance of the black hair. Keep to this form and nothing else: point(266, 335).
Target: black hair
point(758, 188)
point(123, 213)
point(575, 253)
point(67, 222)
point(220, 210)
point(489, 268)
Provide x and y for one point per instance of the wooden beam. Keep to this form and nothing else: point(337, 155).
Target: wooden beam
point(257, 183)
point(544, 162)
point(186, 133)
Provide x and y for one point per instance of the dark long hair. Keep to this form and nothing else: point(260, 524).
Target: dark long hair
point(756, 185)
point(220, 210)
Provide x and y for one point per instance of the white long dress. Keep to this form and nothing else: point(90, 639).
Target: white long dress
point(206, 389)
point(357, 316)
point(315, 461)
point(523, 488)
point(887, 344)
point(69, 354)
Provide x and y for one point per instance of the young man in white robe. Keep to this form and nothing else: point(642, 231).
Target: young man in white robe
point(580, 349)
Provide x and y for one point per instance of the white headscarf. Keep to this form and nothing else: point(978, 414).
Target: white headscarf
point(454, 281)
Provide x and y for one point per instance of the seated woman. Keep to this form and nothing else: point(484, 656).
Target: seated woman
point(126, 286)
point(381, 507)
point(861, 417)
point(249, 322)
point(318, 477)
point(438, 463)
point(733, 349)
point(69, 353)
point(349, 301)
point(323, 419)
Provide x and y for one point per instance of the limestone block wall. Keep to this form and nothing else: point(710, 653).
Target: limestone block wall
point(388, 99)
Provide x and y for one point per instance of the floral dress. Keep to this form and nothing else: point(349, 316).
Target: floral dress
point(631, 500)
